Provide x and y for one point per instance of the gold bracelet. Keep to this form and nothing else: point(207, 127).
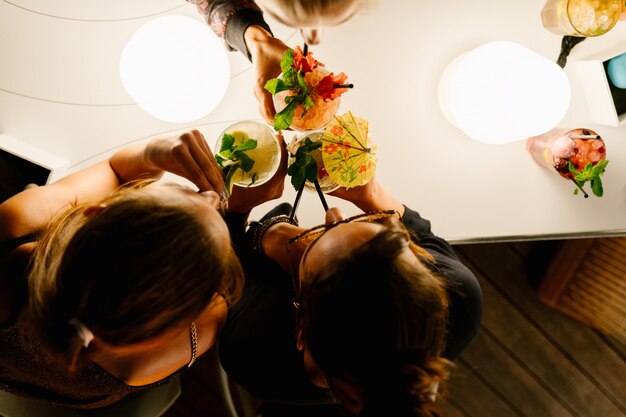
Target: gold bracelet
point(193, 335)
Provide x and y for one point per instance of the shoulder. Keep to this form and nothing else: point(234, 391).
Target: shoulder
point(30, 211)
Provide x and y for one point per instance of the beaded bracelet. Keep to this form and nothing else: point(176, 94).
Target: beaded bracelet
point(261, 227)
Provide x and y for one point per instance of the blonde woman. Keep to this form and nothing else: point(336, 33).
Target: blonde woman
point(107, 290)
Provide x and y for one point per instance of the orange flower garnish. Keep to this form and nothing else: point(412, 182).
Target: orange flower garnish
point(304, 63)
point(326, 87)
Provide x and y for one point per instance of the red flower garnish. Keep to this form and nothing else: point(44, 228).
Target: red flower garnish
point(326, 87)
point(304, 63)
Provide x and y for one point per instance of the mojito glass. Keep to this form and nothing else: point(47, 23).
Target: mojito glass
point(326, 183)
point(266, 155)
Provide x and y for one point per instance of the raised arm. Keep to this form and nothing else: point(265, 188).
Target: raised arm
point(370, 197)
point(186, 155)
point(229, 20)
point(241, 25)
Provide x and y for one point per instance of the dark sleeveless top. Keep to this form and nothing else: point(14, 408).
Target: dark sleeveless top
point(25, 371)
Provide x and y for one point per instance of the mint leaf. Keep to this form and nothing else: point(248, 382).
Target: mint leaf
point(590, 173)
point(276, 85)
point(304, 166)
point(245, 162)
point(272, 85)
point(302, 83)
point(227, 142)
point(286, 62)
point(290, 78)
point(231, 158)
point(600, 167)
point(308, 146)
point(308, 102)
point(283, 119)
point(596, 187)
point(246, 145)
point(297, 172)
point(310, 173)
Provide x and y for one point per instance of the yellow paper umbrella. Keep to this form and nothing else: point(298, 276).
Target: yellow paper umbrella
point(349, 155)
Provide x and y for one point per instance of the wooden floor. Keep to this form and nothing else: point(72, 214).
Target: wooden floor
point(528, 360)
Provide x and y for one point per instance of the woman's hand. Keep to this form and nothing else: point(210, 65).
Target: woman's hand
point(188, 156)
point(370, 197)
point(266, 52)
point(244, 199)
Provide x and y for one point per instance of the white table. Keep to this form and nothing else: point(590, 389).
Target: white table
point(60, 91)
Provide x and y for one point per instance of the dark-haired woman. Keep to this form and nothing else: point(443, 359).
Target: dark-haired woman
point(364, 313)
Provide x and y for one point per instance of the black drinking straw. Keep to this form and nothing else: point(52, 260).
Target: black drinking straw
point(321, 194)
point(343, 86)
point(580, 188)
point(305, 49)
point(292, 215)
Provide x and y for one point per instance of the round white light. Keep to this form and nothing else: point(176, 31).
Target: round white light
point(175, 68)
point(501, 92)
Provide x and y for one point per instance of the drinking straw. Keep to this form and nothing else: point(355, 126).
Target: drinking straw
point(343, 86)
point(580, 188)
point(584, 136)
point(292, 215)
point(305, 49)
point(321, 194)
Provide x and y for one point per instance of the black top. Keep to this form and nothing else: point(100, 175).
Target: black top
point(258, 344)
point(25, 371)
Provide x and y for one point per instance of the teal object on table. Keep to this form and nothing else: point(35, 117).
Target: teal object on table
point(616, 70)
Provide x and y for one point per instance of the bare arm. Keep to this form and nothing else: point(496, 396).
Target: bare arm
point(187, 155)
point(370, 197)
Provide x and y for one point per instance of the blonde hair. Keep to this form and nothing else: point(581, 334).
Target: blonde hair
point(312, 13)
point(138, 265)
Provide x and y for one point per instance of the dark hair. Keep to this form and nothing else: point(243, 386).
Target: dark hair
point(375, 325)
point(144, 263)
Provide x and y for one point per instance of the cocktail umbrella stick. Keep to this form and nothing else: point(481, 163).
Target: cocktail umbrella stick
point(321, 194)
point(580, 188)
point(292, 215)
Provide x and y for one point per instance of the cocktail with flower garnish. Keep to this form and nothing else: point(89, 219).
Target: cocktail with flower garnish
point(578, 155)
point(248, 153)
point(306, 96)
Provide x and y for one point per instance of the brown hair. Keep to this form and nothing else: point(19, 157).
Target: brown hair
point(142, 264)
point(375, 325)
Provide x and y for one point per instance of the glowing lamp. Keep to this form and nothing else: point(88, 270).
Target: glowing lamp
point(175, 69)
point(501, 92)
